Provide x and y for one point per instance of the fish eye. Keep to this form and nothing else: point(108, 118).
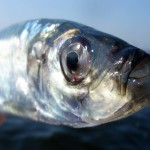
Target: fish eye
point(72, 61)
point(75, 59)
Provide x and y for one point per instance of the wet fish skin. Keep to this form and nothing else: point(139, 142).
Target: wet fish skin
point(109, 79)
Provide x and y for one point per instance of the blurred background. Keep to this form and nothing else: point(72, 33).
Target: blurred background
point(128, 20)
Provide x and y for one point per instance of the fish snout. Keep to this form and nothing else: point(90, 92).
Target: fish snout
point(140, 65)
point(138, 84)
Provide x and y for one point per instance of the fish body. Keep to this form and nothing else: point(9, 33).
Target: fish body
point(65, 73)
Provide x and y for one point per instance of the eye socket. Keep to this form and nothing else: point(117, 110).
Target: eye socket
point(75, 59)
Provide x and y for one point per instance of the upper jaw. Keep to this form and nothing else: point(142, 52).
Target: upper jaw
point(124, 67)
point(141, 65)
point(139, 79)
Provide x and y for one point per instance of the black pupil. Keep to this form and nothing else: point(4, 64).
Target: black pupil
point(72, 61)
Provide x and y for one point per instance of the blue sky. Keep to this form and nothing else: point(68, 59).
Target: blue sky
point(127, 19)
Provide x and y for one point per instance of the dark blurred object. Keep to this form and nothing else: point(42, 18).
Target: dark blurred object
point(130, 133)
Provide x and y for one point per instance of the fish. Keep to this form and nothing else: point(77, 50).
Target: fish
point(62, 72)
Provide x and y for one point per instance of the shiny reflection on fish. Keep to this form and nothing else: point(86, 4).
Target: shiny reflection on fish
point(65, 73)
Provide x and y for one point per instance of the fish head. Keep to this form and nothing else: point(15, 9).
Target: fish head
point(88, 77)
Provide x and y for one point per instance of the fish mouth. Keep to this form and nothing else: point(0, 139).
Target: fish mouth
point(125, 67)
point(138, 83)
point(140, 65)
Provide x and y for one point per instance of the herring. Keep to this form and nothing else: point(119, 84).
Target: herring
point(65, 73)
